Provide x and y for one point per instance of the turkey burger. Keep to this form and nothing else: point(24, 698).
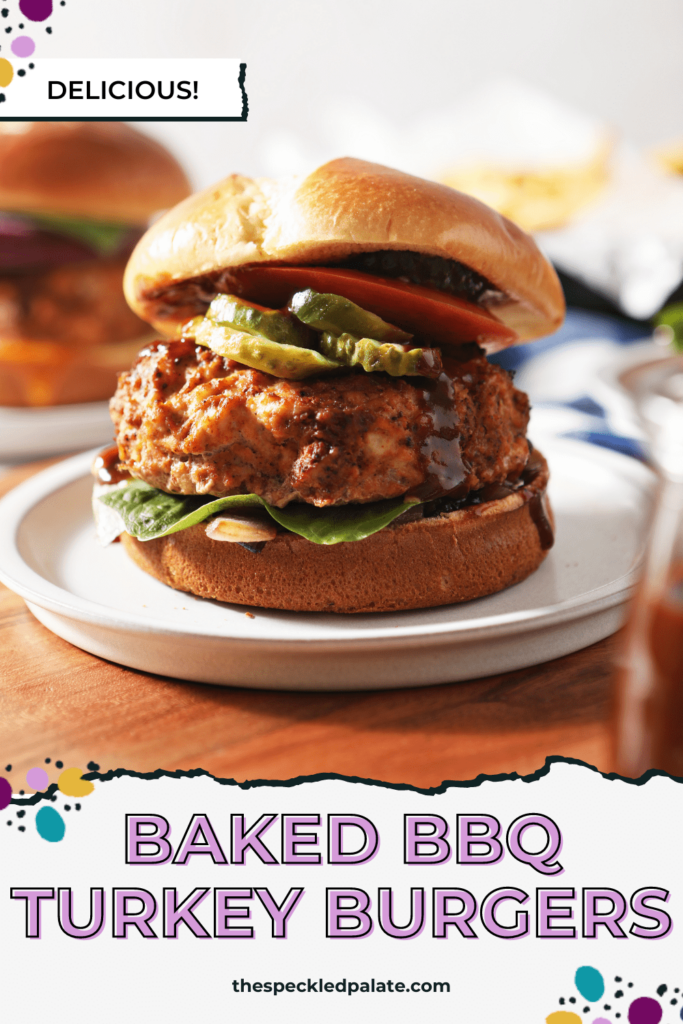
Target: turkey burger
point(322, 430)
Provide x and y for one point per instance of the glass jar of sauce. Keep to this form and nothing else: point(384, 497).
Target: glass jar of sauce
point(648, 722)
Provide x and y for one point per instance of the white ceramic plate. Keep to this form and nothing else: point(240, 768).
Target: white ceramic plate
point(39, 433)
point(97, 599)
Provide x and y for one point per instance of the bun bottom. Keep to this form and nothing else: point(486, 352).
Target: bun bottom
point(41, 373)
point(456, 557)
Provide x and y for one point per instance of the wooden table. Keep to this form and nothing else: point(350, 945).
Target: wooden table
point(57, 701)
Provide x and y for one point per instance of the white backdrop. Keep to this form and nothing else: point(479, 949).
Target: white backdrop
point(617, 59)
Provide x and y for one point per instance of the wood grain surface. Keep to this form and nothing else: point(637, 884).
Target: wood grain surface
point(57, 701)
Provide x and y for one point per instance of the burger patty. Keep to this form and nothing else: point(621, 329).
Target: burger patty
point(191, 422)
point(77, 304)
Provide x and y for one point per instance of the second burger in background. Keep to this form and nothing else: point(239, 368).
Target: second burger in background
point(74, 199)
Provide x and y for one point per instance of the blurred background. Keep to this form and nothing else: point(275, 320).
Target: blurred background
point(562, 113)
point(567, 116)
point(323, 74)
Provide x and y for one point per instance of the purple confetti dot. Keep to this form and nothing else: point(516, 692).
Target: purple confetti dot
point(644, 1011)
point(36, 10)
point(37, 778)
point(23, 46)
point(5, 793)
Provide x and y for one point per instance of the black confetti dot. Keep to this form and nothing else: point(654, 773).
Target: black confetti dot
point(22, 828)
point(53, 798)
point(20, 814)
point(677, 990)
point(93, 767)
point(21, 72)
point(8, 29)
point(9, 822)
point(8, 768)
point(2, 97)
point(571, 999)
point(630, 984)
point(617, 979)
point(661, 990)
point(78, 807)
point(618, 994)
point(67, 807)
point(49, 31)
point(21, 792)
point(47, 760)
point(31, 66)
point(5, 12)
point(21, 26)
point(607, 1006)
point(59, 764)
point(586, 1009)
point(617, 1015)
point(673, 1002)
point(561, 1001)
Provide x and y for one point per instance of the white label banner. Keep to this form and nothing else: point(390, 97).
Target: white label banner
point(502, 901)
point(135, 89)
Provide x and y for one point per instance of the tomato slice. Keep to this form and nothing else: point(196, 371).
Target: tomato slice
point(420, 310)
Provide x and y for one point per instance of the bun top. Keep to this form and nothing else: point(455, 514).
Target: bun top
point(345, 207)
point(104, 171)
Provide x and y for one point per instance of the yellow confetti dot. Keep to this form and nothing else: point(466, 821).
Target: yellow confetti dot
point(72, 783)
point(6, 72)
point(563, 1017)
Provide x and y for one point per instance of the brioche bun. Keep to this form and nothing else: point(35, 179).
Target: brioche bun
point(460, 556)
point(104, 171)
point(345, 207)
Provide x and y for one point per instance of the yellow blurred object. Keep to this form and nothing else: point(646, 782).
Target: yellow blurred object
point(670, 157)
point(539, 199)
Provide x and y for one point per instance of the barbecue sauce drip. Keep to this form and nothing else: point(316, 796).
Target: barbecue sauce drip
point(458, 500)
point(440, 450)
point(541, 521)
point(107, 467)
point(536, 506)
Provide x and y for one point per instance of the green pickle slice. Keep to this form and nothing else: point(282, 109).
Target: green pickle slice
point(375, 357)
point(288, 361)
point(333, 313)
point(231, 311)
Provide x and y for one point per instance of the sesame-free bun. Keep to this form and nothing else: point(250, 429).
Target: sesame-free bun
point(345, 207)
point(420, 564)
point(103, 171)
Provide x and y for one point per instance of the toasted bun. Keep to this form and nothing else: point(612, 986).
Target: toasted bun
point(344, 207)
point(106, 171)
point(36, 373)
point(470, 553)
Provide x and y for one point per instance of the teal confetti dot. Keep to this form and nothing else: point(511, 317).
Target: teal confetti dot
point(50, 824)
point(590, 983)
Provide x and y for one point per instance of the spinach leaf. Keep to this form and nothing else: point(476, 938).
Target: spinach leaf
point(339, 523)
point(149, 513)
